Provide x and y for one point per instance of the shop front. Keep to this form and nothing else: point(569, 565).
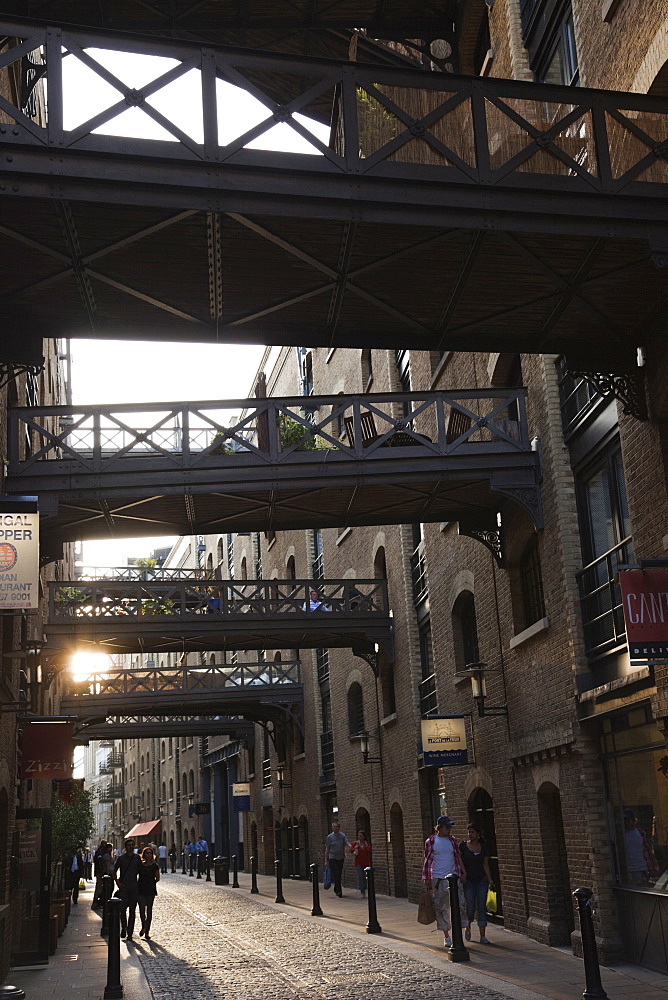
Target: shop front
point(635, 760)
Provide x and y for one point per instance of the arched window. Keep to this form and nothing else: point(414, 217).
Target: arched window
point(148, 798)
point(171, 746)
point(162, 750)
point(465, 631)
point(212, 659)
point(142, 763)
point(163, 791)
point(209, 564)
point(220, 551)
point(191, 783)
point(367, 369)
point(290, 568)
point(244, 569)
point(171, 789)
point(355, 709)
point(184, 783)
point(148, 761)
point(531, 582)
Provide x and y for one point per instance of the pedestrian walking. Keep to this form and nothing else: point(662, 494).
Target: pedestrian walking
point(126, 871)
point(149, 876)
point(162, 856)
point(361, 851)
point(75, 873)
point(475, 858)
point(442, 858)
point(202, 851)
point(102, 865)
point(88, 864)
point(172, 857)
point(335, 854)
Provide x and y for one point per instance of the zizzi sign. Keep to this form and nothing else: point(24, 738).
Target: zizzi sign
point(645, 602)
point(19, 560)
point(444, 740)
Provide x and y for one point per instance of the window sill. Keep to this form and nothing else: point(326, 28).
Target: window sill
point(389, 719)
point(344, 534)
point(541, 625)
point(300, 756)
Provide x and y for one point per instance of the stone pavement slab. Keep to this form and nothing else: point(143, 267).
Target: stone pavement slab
point(78, 970)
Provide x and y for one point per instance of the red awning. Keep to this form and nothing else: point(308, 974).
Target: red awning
point(144, 829)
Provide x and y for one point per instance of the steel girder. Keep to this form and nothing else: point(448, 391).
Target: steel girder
point(350, 459)
point(520, 216)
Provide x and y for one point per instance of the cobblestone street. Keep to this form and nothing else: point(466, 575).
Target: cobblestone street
point(219, 944)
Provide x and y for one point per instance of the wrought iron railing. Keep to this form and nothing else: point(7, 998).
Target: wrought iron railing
point(175, 600)
point(391, 123)
point(186, 680)
point(100, 439)
point(601, 600)
point(419, 574)
point(110, 792)
point(266, 772)
point(138, 573)
point(327, 751)
point(428, 697)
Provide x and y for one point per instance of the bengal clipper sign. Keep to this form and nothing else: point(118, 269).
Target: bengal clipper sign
point(645, 602)
point(19, 560)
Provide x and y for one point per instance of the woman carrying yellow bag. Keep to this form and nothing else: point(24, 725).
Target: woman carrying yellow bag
point(475, 857)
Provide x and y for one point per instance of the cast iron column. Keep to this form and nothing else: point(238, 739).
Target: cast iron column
point(105, 896)
point(593, 985)
point(235, 872)
point(278, 867)
point(458, 952)
point(114, 988)
point(254, 888)
point(316, 909)
point(372, 927)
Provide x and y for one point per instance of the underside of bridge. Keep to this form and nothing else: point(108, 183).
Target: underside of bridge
point(89, 727)
point(442, 213)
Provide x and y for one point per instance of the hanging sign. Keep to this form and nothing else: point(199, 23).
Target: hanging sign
point(47, 750)
point(444, 740)
point(645, 603)
point(19, 560)
point(241, 796)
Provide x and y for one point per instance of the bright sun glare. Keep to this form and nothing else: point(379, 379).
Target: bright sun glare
point(83, 664)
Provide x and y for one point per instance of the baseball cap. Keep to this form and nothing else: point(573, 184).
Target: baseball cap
point(444, 821)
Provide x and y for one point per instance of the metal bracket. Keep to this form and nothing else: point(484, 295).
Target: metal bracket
point(628, 389)
point(370, 657)
point(490, 538)
point(10, 370)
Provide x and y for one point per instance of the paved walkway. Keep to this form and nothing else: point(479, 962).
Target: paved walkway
point(220, 943)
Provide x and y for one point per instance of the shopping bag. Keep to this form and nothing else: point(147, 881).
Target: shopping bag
point(426, 912)
point(491, 901)
point(82, 884)
point(327, 879)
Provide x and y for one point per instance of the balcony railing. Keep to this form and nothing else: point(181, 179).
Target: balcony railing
point(186, 679)
point(99, 439)
point(110, 793)
point(428, 699)
point(327, 752)
point(181, 600)
point(601, 600)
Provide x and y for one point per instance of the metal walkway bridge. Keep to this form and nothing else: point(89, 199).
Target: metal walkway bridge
point(319, 461)
point(439, 212)
point(202, 616)
point(257, 692)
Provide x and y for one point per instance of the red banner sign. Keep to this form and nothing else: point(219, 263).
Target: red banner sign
point(47, 750)
point(645, 601)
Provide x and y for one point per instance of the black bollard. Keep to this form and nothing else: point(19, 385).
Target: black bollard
point(208, 867)
point(235, 872)
point(199, 864)
point(225, 872)
point(183, 856)
point(316, 909)
point(191, 863)
point(278, 867)
point(254, 888)
point(593, 985)
point(105, 896)
point(458, 952)
point(372, 927)
point(114, 987)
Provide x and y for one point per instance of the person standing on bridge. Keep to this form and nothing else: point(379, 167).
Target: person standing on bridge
point(315, 602)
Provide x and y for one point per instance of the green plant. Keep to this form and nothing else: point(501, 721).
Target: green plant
point(73, 823)
point(156, 606)
point(291, 432)
point(222, 448)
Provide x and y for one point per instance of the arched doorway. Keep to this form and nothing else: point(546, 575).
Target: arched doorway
point(558, 899)
point(363, 822)
point(481, 811)
point(398, 850)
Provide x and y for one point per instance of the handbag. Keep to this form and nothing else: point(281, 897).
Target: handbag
point(327, 879)
point(491, 905)
point(426, 912)
point(82, 884)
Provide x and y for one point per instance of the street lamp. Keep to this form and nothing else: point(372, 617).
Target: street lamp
point(280, 775)
point(475, 672)
point(364, 747)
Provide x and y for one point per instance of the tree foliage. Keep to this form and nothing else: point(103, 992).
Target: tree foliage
point(73, 824)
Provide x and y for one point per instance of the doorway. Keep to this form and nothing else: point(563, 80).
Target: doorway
point(558, 898)
point(398, 850)
point(481, 812)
